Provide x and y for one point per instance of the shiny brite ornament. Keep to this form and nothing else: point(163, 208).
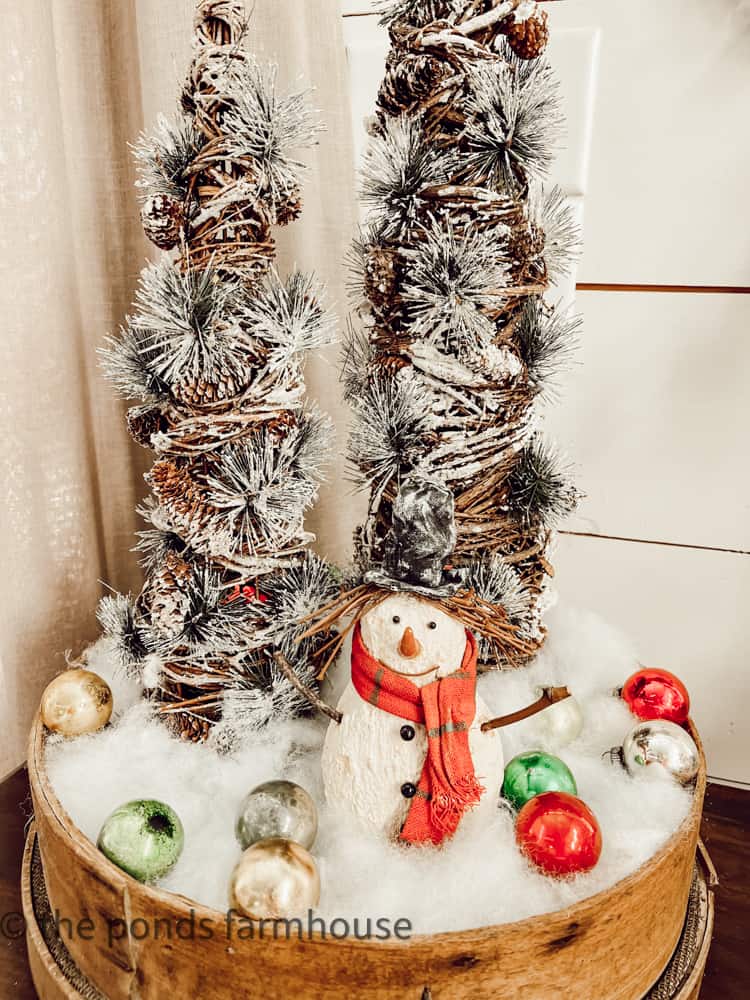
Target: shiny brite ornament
point(656, 694)
point(662, 747)
point(275, 879)
point(144, 838)
point(559, 725)
point(76, 703)
point(534, 772)
point(559, 834)
point(277, 809)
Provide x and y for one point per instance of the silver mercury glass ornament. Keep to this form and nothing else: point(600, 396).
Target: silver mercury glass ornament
point(277, 809)
point(661, 743)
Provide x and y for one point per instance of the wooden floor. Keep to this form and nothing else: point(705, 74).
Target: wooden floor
point(726, 830)
point(15, 810)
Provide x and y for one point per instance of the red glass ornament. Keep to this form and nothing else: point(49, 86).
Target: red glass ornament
point(559, 834)
point(657, 694)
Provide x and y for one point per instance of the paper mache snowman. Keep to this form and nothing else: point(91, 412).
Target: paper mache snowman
point(409, 757)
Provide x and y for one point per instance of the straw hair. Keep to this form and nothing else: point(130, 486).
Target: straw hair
point(477, 615)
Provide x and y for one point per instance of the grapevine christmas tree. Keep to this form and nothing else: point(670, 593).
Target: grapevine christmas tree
point(458, 345)
point(214, 354)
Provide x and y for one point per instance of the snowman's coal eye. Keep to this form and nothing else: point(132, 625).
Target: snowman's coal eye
point(396, 619)
point(431, 624)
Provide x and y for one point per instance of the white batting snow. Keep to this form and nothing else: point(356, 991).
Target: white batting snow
point(478, 879)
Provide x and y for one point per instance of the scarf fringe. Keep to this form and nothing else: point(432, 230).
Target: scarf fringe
point(447, 808)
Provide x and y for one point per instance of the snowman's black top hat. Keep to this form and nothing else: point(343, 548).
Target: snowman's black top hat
point(421, 540)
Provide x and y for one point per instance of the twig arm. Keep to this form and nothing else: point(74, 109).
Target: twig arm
point(549, 697)
point(307, 692)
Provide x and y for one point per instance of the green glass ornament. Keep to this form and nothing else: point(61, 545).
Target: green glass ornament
point(533, 772)
point(144, 838)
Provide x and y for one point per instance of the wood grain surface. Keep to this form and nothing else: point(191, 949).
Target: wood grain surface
point(48, 979)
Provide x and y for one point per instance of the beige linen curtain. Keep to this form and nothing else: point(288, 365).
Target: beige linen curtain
point(81, 79)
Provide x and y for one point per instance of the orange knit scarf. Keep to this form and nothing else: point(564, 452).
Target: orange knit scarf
point(448, 785)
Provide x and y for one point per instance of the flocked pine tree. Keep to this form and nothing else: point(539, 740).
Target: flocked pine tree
point(457, 344)
point(214, 352)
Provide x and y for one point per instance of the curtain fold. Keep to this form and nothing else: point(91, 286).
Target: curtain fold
point(81, 81)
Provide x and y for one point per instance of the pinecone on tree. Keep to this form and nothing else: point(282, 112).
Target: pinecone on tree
point(176, 490)
point(290, 209)
point(525, 248)
point(382, 276)
point(164, 594)
point(409, 80)
point(389, 365)
point(162, 216)
point(528, 39)
point(144, 422)
point(279, 427)
point(200, 392)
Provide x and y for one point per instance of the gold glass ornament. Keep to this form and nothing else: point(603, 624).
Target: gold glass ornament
point(76, 702)
point(275, 879)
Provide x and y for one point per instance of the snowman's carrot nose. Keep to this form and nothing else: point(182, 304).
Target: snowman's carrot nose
point(409, 646)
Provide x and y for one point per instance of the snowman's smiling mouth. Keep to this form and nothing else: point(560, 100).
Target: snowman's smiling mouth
point(423, 673)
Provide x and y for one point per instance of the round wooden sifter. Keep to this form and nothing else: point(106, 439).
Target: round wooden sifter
point(663, 914)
